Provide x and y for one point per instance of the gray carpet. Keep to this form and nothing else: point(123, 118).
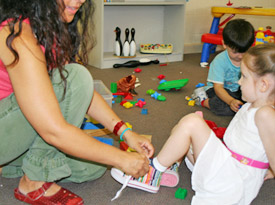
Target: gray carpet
point(159, 121)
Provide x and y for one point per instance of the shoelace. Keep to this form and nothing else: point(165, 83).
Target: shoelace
point(123, 187)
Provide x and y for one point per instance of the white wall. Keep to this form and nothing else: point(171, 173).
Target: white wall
point(198, 19)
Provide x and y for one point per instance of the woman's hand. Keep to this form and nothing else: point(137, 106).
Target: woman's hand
point(140, 143)
point(134, 164)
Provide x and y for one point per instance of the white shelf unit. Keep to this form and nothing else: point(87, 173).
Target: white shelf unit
point(155, 21)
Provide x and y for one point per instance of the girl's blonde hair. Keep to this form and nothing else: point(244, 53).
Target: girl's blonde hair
point(261, 59)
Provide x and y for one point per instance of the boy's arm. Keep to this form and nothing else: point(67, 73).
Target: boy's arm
point(264, 119)
point(224, 96)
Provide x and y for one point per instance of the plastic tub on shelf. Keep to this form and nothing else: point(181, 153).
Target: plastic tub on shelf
point(100, 87)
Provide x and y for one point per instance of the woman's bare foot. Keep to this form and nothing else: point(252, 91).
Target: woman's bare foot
point(26, 185)
point(0, 169)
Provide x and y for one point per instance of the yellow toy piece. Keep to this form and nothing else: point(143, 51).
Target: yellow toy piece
point(260, 33)
point(130, 150)
point(128, 105)
point(191, 102)
point(128, 125)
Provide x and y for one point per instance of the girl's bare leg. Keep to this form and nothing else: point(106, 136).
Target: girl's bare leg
point(190, 129)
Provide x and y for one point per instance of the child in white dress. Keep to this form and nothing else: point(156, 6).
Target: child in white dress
point(233, 172)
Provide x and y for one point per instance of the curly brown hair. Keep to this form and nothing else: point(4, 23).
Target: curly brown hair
point(63, 42)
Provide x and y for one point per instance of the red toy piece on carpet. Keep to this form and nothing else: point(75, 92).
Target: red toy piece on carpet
point(219, 131)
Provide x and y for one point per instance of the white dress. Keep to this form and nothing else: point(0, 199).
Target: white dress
point(217, 177)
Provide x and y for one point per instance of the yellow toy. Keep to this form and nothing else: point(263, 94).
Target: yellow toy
point(191, 102)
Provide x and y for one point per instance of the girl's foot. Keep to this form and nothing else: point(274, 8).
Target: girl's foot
point(149, 182)
point(170, 177)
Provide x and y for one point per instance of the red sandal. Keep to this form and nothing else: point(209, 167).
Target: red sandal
point(62, 197)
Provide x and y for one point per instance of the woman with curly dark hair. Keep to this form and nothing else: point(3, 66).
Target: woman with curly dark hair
point(44, 96)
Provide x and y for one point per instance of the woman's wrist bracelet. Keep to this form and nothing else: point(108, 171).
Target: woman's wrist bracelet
point(117, 127)
point(128, 128)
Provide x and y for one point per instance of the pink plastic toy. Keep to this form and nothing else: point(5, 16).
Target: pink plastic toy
point(140, 103)
point(161, 77)
point(137, 70)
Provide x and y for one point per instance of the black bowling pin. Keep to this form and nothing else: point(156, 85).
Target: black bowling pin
point(133, 43)
point(126, 45)
point(118, 43)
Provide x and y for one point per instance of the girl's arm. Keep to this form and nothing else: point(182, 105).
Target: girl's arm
point(264, 119)
point(36, 99)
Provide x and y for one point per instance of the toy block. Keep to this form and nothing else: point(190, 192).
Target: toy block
point(181, 193)
point(97, 132)
point(128, 105)
point(118, 99)
point(128, 125)
point(113, 87)
point(144, 111)
point(128, 97)
point(123, 146)
point(105, 140)
point(91, 126)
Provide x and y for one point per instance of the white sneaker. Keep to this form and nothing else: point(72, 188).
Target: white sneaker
point(149, 182)
point(199, 95)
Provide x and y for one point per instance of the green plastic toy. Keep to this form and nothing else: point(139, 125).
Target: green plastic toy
point(173, 84)
point(181, 193)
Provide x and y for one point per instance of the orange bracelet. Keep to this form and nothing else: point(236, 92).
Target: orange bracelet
point(117, 127)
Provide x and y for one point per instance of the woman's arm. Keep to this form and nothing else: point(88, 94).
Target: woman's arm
point(102, 112)
point(36, 98)
point(264, 119)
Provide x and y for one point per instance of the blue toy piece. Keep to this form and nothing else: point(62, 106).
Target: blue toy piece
point(155, 95)
point(105, 140)
point(173, 84)
point(144, 111)
point(91, 126)
point(162, 81)
point(199, 85)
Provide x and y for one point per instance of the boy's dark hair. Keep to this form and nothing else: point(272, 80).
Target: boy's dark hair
point(238, 34)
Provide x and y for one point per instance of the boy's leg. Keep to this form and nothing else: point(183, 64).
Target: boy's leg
point(219, 107)
point(43, 162)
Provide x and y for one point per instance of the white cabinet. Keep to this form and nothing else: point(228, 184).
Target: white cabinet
point(155, 21)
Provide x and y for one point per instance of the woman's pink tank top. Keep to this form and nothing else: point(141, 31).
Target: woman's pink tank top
point(5, 83)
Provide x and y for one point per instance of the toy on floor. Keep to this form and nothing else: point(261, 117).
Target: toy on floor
point(181, 193)
point(174, 84)
point(127, 84)
point(161, 76)
point(144, 111)
point(136, 63)
point(191, 102)
point(140, 103)
point(137, 70)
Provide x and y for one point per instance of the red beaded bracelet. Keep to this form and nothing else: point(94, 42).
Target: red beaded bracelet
point(117, 127)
